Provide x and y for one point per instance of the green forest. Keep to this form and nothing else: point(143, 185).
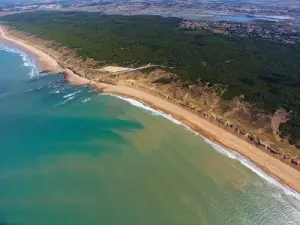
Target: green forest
point(265, 72)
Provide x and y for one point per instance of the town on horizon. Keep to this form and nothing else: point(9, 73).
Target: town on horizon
point(270, 19)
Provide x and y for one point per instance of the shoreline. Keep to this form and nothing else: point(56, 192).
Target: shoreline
point(282, 172)
point(232, 154)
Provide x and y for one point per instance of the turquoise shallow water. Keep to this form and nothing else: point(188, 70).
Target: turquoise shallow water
point(69, 155)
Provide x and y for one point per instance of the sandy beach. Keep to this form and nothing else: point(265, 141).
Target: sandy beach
point(274, 167)
point(46, 61)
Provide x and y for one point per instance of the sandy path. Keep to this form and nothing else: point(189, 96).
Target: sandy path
point(279, 170)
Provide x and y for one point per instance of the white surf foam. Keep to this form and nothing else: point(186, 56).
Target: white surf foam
point(55, 91)
point(86, 100)
point(27, 61)
point(71, 94)
point(227, 152)
point(149, 109)
point(65, 101)
point(29, 90)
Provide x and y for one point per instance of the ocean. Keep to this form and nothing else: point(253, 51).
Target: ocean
point(72, 156)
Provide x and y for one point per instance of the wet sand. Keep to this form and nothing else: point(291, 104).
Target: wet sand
point(274, 167)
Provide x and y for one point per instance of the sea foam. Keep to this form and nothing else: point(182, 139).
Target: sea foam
point(27, 61)
point(225, 151)
point(71, 94)
point(86, 100)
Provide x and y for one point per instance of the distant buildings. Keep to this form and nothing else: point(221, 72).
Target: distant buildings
point(286, 31)
point(279, 32)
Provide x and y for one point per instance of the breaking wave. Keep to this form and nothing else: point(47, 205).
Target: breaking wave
point(71, 94)
point(86, 100)
point(28, 63)
point(227, 152)
point(65, 101)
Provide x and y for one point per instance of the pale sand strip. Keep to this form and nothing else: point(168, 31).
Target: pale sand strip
point(115, 69)
point(46, 61)
point(279, 170)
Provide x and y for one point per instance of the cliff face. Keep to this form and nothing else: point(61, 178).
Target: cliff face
point(235, 115)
